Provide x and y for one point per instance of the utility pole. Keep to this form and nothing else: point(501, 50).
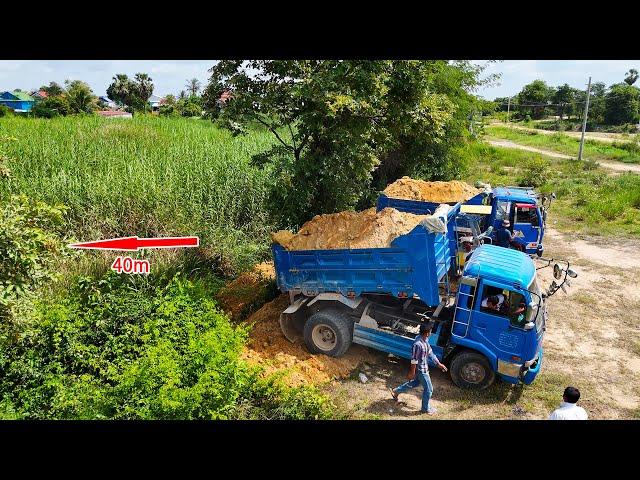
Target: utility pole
point(584, 121)
point(508, 109)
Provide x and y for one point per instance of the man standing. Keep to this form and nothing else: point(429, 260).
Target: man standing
point(568, 409)
point(503, 236)
point(419, 372)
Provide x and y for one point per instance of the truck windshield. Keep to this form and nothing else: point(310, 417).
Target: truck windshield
point(535, 314)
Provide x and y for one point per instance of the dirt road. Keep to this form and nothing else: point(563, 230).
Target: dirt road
point(598, 136)
point(592, 341)
point(614, 166)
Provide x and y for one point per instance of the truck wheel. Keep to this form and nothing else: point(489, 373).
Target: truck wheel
point(471, 370)
point(328, 332)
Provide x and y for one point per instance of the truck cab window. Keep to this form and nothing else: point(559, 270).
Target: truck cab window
point(516, 309)
point(504, 303)
point(527, 215)
point(502, 210)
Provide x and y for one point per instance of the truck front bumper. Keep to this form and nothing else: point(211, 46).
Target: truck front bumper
point(530, 373)
point(520, 373)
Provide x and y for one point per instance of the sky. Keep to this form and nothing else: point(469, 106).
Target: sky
point(170, 76)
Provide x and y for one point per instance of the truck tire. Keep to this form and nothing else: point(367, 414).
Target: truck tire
point(471, 371)
point(329, 332)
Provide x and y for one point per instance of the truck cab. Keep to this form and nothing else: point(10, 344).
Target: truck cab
point(524, 208)
point(509, 339)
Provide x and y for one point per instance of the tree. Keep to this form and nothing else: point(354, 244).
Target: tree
point(53, 89)
point(134, 94)
point(622, 104)
point(193, 86)
point(80, 96)
point(52, 106)
point(344, 129)
point(534, 98)
point(596, 103)
point(564, 96)
point(182, 95)
point(190, 107)
point(170, 107)
point(119, 90)
point(143, 88)
point(631, 76)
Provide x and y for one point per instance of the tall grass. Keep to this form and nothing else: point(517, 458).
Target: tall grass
point(146, 176)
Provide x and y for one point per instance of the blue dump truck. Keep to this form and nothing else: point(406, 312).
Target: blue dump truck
point(379, 297)
point(525, 209)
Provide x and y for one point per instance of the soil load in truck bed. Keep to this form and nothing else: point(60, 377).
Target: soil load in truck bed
point(436, 192)
point(366, 229)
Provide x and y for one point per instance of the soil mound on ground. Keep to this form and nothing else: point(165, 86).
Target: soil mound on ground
point(239, 296)
point(366, 229)
point(269, 348)
point(437, 192)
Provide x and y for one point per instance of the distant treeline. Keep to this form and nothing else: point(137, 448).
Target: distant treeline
point(617, 104)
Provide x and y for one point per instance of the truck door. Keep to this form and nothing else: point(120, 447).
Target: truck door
point(526, 226)
point(501, 331)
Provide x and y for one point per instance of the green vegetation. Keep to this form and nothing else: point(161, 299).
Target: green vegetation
point(593, 150)
point(617, 106)
point(29, 245)
point(146, 176)
point(343, 130)
point(122, 348)
point(588, 200)
point(134, 94)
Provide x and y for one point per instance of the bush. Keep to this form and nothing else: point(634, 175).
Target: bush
point(51, 107)
point(123, 348)
point(5, 111)
point(28, 247)
point(536, 173)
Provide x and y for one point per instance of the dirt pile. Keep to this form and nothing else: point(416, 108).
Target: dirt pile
point(269, 348)
point(437, 192)
point(240, 296)
point(366, 229)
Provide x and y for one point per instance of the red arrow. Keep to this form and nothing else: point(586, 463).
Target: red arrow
point(135, 243)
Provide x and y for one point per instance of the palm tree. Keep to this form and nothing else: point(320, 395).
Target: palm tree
point(120, 89)
point(193, 86)
point(631, 76)
point(144, 86)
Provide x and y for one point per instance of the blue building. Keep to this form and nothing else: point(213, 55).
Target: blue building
point(17, 101)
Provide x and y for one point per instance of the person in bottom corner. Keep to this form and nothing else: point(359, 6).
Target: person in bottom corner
point(419, 371)
point(568, 409)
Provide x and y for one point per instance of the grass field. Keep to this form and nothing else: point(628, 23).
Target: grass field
point(146, 176)
point(628, 151)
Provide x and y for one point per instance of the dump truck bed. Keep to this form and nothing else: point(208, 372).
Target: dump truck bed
point(418, 207)
point(413, 266)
